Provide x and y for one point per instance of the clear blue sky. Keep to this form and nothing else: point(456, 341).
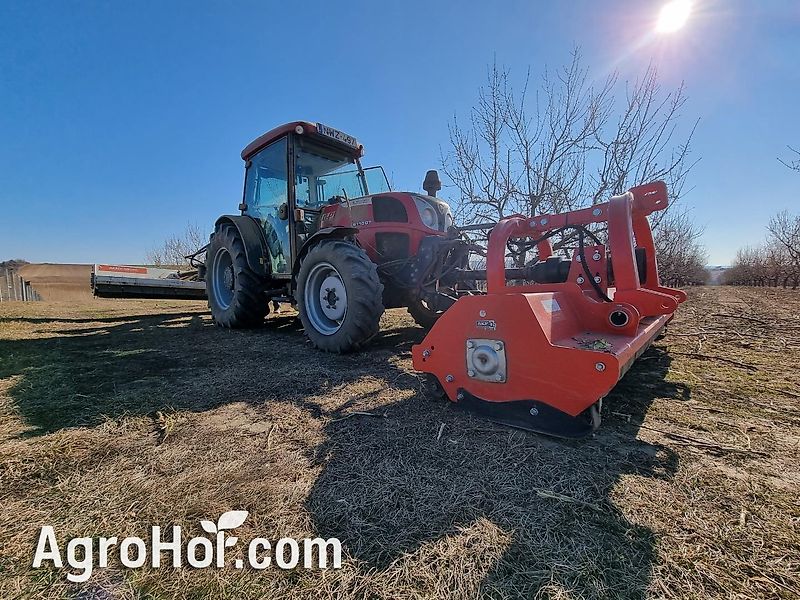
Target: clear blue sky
point(121, 121)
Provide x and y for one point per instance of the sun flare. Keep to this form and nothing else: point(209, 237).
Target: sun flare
point(673, 16)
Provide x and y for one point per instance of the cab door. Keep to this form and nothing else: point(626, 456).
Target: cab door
point(266, 198)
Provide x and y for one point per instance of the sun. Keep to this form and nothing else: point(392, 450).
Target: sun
point(673, 16)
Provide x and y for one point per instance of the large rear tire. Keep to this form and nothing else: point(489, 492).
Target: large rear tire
point(235, 293)
point(339, 296)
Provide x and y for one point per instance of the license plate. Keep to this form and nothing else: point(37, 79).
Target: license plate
point(339, 136)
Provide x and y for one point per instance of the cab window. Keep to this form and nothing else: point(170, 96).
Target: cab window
point(321, 174)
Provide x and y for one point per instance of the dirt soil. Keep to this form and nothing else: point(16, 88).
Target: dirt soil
point(119, 415)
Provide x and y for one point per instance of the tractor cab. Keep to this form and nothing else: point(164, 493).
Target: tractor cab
point(319, 231)
point(292, 173)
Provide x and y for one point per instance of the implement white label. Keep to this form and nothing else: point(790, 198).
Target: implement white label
point(339, 136)
point(551, 305)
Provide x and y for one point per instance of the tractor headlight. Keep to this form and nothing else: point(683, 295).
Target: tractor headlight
point(427, 214)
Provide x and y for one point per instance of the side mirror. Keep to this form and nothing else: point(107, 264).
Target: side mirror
point(431, 184)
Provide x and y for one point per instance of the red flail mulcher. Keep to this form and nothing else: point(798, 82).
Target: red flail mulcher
point(543, 353)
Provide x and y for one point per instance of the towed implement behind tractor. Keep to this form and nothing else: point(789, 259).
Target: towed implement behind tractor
point(541, 355)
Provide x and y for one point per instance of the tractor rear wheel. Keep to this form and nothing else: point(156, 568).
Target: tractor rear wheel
point(235, 292)
point(339, 296)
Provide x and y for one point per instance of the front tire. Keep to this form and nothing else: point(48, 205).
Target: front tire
point(235, 292)
point(426, 311)
point(339, 296)
point(423, 314)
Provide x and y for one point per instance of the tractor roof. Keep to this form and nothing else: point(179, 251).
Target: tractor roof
point(342, 140)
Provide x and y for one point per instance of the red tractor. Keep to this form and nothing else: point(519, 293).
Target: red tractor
point(318, 230)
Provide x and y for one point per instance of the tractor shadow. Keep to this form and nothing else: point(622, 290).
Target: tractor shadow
point(98, 368)
point(432, 475)
point(83, 371)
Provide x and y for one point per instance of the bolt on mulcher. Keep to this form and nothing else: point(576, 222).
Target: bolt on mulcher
point(543, 354)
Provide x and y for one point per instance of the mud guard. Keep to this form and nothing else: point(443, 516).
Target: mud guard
point(255, 244)
point(326, 233)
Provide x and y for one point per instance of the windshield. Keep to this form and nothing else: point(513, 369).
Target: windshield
point(320, 175)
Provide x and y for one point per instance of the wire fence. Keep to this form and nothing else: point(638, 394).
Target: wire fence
point(13, 288)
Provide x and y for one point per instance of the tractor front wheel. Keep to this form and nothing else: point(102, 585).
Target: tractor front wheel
point(339, 296)
point(426, 311)
point(235, 292)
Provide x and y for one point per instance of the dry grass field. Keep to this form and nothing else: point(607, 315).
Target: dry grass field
point(119, 415)
point(59, 282)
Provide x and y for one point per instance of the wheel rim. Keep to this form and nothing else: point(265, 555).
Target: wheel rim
point(325, 298)
point(223, 279)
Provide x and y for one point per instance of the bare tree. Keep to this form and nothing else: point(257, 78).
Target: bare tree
point(747, 267)
point(518, 155)
point(776, 262)
point(175, 249)
point(681, 257)
point(560, 146)
point(784, 238)
point(784, 229)
point(794, 162)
